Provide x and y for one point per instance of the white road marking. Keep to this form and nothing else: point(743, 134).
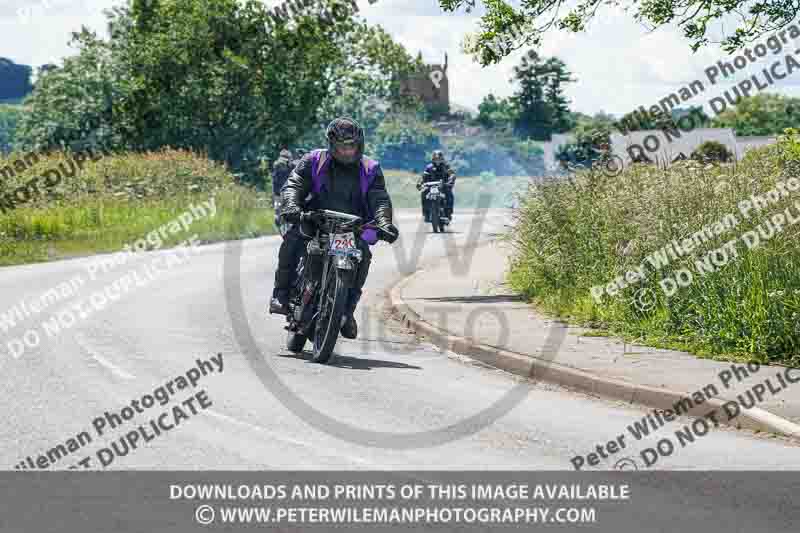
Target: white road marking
point(114, 369)
point(274, 435)
point(254, 427)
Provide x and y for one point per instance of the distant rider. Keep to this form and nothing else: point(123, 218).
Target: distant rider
point(281, 169)
point(439, 170)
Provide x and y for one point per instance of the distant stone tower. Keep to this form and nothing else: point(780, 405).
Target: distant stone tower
point(431, 85)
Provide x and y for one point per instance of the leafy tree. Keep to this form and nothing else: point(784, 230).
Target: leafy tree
point(763, 114)
point(494, 113)
point(505, 28)
point(367, 98)
point(543, 108)
point(9, 118)
point(558, 75)
point(72, 105)
point(217, 76)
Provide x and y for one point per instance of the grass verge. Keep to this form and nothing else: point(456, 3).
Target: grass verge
point(713, 294)
point(120, 199)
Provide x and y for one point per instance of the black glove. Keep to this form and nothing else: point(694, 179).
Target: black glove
point(388, 233)
point(311, 217)
point(292, 217)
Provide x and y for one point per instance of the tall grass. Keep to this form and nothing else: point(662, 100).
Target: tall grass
point(573, 235)
point(121, 198)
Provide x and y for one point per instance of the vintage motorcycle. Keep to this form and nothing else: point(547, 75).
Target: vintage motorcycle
point(325, 274)
point(435, 203)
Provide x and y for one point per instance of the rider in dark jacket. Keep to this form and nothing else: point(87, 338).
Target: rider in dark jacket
point(439, 170)
point(281, 169)
point(343, 193)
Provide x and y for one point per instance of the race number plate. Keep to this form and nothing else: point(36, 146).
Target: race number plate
point(343, 243)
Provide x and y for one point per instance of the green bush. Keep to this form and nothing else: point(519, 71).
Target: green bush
point(574, 235)
point(120, 198)
point(712, 152)
point(130, 176)
point(590, 145)
point(789, 149)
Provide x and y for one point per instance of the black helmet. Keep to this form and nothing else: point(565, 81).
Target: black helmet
point(438, 157)
point(345, 132)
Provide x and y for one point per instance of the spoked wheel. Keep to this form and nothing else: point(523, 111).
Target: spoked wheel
point(295, 342)
point(331, 311)
point(435, 222)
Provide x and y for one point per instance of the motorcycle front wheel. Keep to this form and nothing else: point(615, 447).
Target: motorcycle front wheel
point(435, 216)
point(331, 310)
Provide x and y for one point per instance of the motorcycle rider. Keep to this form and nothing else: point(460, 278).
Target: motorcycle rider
point(300, 154)
point(439, 170)
point(281, 169)
point(339, 179)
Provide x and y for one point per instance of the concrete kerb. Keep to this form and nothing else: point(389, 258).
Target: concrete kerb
point(531, 367)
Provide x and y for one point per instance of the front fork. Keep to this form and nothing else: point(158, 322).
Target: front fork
point(317, 267)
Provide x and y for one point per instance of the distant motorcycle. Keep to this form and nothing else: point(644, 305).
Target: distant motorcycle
point(435, 204)
point(325, 274)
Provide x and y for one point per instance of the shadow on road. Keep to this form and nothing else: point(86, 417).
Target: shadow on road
point(353, 363)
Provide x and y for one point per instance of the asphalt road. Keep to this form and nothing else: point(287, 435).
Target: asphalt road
point(386, 382)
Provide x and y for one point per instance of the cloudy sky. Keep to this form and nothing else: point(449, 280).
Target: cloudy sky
point(618, 63)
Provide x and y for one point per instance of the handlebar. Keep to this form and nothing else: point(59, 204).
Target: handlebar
point(328, 219)
point(323, 218)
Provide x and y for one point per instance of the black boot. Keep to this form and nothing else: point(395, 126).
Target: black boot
point(279, 305)
point(349, 327)
point(349, 324)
